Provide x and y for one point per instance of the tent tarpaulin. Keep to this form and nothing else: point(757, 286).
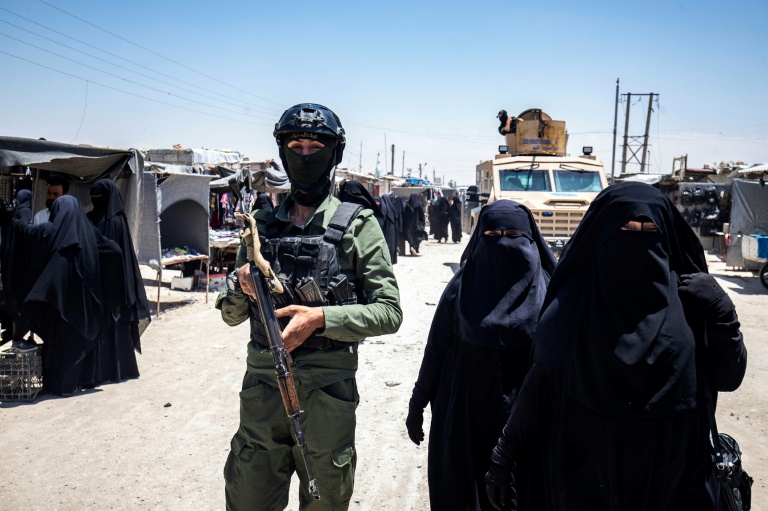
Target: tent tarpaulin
point(179, 216)
point(82, 165)
point(749, 215)
point(267, 180)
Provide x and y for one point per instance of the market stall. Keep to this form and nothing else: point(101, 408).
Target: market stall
point(224, 232)
point(180, 232)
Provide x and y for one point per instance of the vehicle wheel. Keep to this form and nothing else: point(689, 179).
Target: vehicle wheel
point(764, 275)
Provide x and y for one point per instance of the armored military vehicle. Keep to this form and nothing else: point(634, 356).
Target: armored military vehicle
point(534, 169)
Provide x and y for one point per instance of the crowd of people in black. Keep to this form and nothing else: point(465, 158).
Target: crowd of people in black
point(73, 280)
point(405, 220)
point(585, 385)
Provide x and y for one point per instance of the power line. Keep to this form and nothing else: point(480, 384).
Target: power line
point(241, 105)
point(132, 93)
point(127, 79)
point(152, 51)
point(252, 105)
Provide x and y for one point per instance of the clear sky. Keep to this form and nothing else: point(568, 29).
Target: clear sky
point(428, 77)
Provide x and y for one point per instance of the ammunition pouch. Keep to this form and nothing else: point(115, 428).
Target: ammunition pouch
point(308, 268)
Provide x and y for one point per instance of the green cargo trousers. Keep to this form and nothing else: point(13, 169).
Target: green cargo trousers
point(264, 454)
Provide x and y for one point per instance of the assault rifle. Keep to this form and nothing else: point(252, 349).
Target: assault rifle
point(264, 280)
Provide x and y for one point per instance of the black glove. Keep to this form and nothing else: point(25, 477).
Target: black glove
point(703, 290)
point(500, 483)
point(414, 423)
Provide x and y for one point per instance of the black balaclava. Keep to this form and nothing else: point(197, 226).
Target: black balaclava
point(310, 175)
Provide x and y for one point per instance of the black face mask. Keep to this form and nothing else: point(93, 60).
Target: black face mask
point(99, 202)
point(310, 174)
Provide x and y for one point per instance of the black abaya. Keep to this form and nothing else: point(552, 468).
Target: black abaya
point(454, 215)
point(441, 219)
point(131, 310)
point(477, 353)
point(65, 303)
point(389, 225)
point(413, 222)
point(612, 415)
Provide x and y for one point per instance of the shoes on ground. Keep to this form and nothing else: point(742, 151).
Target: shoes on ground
point(414, 251)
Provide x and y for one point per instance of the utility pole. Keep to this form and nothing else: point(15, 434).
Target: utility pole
point(393, 160)
point(647, 127)
point(376, 171)
point(626, 130)
point(419, 170)
point(615, 120)
point(360, 165)
point(385, 153)
point(433, 176)
point(402, 171)
point(635, 143)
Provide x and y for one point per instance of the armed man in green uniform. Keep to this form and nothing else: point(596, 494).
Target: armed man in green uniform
point(332, 260)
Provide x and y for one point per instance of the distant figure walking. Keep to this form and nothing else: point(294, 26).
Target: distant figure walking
point(441, 219)
point(454, 215)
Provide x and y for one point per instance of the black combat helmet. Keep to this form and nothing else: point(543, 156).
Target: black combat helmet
point(310, 174)
point(311, 118)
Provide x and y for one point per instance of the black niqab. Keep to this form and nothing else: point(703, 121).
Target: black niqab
point(70, 282)
point(354, 191)
point(263, 202)
point(474, 364)
point(111, 222)
point(497, 307)
point(612, 320)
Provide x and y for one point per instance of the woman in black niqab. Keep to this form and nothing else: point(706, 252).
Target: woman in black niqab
point(414, 223)
point(61, 297)
point(354, 191)
point(390, 225)
point(441, 219)
point(454, 215)
point(263, 202)
point(478, 351)
point(611, 414)
point(117, 360)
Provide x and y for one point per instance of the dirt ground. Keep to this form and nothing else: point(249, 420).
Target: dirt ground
point(160, 442)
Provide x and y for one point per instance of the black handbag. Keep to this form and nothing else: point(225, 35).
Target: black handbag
point(734, 485)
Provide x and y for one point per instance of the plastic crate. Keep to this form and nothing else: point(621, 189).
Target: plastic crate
point(21, 376)
point(755, 247)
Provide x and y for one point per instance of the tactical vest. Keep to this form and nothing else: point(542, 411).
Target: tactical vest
point(308, 267)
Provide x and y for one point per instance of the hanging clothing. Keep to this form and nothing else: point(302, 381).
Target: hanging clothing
point(477, 352)
point(133, 317)
point(611, 414)
point(454, 216)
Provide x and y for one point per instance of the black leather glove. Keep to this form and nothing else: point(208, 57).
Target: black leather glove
point(414, 423)
point(703, 290)
point(500, 483)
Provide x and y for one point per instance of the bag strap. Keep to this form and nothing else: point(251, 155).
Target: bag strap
point(716, 445)
point(341, 220)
